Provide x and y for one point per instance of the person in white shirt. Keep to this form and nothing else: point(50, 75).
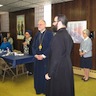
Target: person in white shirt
point(10, 39)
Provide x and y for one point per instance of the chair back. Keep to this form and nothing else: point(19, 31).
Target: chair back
point(2, 63)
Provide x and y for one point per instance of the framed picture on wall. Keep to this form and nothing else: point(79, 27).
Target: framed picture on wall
point(75, 29)
point(20, 26)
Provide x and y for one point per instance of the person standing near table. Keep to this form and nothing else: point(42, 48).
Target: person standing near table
point(60, 81)
point(40, 48)
point(27, 48)
point(10, 39)
point(85, 52)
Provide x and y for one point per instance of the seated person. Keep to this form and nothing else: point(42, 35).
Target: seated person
point(5, 44)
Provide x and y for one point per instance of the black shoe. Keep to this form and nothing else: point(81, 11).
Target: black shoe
point(83, 78)
point(86, 79)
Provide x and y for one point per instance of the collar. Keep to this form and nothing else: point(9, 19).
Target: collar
point(86, 38)
point(42, 31)
point(29, 38)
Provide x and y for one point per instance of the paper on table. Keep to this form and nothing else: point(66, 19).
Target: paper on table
point(6, 54)
point(16, 54)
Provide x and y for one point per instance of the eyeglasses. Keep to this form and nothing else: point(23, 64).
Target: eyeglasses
point(26, 34)
point(40, 24)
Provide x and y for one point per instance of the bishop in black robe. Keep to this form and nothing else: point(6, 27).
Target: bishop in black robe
point(40, 66)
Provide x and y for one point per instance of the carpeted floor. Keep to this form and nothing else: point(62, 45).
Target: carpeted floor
point(85, 88)
point(23, 86)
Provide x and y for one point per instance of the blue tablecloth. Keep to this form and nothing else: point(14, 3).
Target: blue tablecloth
point(15, 60)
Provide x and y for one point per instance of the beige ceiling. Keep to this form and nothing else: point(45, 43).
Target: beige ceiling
point(16, 5)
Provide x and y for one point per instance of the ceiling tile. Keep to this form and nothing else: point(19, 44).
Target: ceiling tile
point(15, 5)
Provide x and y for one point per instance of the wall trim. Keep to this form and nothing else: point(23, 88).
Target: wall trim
point(79, 71)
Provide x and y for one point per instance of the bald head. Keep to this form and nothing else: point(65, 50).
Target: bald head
point(42, 21)
point(41, 25)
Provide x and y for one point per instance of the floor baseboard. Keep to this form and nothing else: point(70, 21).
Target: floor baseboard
point(79, 71)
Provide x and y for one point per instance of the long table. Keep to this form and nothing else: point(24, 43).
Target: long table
point(17, 60)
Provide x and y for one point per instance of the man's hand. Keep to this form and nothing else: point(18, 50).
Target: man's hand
point(47, 77)
point(39, 57)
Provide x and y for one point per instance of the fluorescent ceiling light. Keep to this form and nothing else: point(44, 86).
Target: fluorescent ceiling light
point(47, 15)
point(1, 5)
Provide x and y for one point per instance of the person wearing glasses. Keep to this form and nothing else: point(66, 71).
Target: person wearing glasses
point(41, 46)
point(27, 49)
point(60, 81)
point(85, 52)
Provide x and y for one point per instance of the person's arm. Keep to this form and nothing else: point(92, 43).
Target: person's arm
point(80, 50)
point(30, 46)
point(88, 46)
point(45, 54)
point(11, 41)
point(34, 47)
point(10, 46)
point(49, 38)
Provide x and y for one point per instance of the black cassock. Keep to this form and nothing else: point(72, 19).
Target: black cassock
point(60, 66)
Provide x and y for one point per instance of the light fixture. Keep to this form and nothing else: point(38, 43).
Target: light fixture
point(1, 5)
point(47, 15)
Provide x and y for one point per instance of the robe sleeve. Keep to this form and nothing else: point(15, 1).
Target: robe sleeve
point(46, 52)
point(34, 47)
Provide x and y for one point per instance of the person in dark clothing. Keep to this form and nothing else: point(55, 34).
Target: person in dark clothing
point(1, 38)
point(40, 48)
point(60, 81)
point(27, 48)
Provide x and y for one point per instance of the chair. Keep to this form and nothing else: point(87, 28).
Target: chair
point(20, 69)
point(5, 68)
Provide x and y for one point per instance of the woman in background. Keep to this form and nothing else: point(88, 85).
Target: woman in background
point(10, 39)
point(27, 48)
point(85, 52)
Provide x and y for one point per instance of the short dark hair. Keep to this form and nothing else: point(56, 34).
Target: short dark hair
point(63, 19)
